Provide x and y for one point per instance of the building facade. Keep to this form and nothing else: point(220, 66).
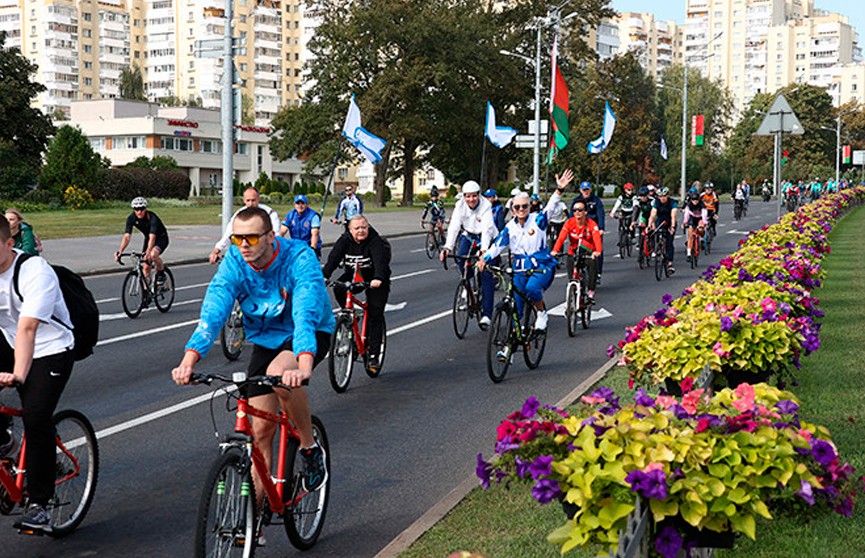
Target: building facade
point(653, 39)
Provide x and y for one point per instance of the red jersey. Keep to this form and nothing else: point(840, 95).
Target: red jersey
point(588, 236)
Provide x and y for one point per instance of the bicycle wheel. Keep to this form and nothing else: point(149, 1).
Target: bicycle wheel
point(226, 515)
point(233, 335)
point(373, 373)
point(461, 313)
point(305, 511)
point(430, 245)
point(623, 239)
point(695, 251)
point(643, 253)
point(707, 241)
point(164, 296)
point(133, 295)
point(572, 307)
point(629, 243)
point(499, 345)
point(536, 341)
point(341, 357)
point(77, 472)
point(585, 307)
point(659, 263)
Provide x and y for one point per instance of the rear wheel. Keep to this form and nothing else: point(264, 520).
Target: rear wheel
point(695, 250)
point(341, 357)
point(305, 511)
point(430, 245)
point(499, 347)
point(164, 296)
point(462, 312)
point(572, 307)
point(374, 372)
point(585, 307)
point(77, 471)
point(232, 335)
point(226, 516)
point(536, 341)
point(133, 295)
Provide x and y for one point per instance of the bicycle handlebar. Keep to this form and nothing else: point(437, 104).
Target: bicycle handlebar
point(131, 254)
point(510, 270)
point(238, 378)
point(348, 284)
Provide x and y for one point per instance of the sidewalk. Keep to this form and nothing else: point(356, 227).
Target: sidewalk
point(193, 243)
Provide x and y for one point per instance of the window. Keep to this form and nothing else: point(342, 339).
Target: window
point(97, 143)
point(88, 81)
point(87, 16)
point(260, 157)
point(87, 48)
point(241, 148)
point(210, 146)
point(129, 142)
point(342, 173)
point(88, 33)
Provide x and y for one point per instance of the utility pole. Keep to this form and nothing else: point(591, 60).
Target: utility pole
point(227, 116)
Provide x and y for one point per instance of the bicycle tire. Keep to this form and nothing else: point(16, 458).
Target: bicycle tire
point(499, 338)
point(622, 241)
point(535, 341)
point(629, 242)
point(341, 357)
point(707, 240)
point(642, 252)
point(226, 524)
point(461, 309)
point(695, 252)
point(381, 353)
point(305, 512)
point(585, 307)
point(133, 294)
point(572, 298)
point(232, 335)
point(430, 245)
point(659, 265)
point(164, 294)
point(74, 488)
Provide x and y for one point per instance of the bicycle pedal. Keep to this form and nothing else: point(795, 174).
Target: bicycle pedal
point(31, 531)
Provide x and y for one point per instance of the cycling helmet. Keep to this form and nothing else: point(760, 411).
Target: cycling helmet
point(434, 192)
point(643, 191)
point(709, 186)
point(490, 193)
point(139, 203)
point(651, 188)
point(693, 195)
point(585, 185)
point(535, 197)
point(471, 187)
point(628, 186)
point(693, 190)
point(663, 191)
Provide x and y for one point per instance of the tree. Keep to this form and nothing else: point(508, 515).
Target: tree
point(247, 110)
point(160, 162)
point(132, 83)
point(70, 160)
point(24, 130)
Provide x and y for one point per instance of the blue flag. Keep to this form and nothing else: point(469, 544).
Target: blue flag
point(366, 142)
point(603, 142)
point(500, 136)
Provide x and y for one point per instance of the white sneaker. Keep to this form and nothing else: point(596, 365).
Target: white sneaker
point(485, 322)
point(541, 321)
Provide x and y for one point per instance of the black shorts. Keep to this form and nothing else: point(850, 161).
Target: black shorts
point(161, 243)
point(262, 357)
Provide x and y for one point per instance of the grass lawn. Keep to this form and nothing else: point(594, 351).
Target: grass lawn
point(502, 523)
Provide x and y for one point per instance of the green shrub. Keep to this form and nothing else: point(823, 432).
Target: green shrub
point(128, 182)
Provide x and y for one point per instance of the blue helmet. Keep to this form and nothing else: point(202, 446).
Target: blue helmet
point(490, 193)
point(585, 185)
point(535, 197)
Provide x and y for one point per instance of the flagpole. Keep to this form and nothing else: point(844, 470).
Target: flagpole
point(332, 173)
point(483, 160)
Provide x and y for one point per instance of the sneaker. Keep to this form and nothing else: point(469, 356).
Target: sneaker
point(485, 323)
point(541, 321)
point(35, 518)
point(160, 278)
point(374, 363)
point(591, 295)
point(670, 269)
point(315, 470)
point(598, 282)
point(260, 540)
point(504, 355)
point(10, 447)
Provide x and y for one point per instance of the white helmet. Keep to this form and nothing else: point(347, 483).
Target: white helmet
point(471, 187)
point(139, 203)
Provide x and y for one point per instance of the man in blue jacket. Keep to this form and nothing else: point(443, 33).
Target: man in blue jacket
point(595, 212)
point(286, 316)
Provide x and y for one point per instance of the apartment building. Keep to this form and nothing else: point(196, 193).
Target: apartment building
point(653, 39)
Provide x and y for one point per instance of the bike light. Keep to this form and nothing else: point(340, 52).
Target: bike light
point(238, 377)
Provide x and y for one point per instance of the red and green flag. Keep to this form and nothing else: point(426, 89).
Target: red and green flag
point(559, 108)
point(846, 153)
point(785, 157)
point(697, 129)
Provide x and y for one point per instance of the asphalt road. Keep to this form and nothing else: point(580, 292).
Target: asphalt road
point(399, 443)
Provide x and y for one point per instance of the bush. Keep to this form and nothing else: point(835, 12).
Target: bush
point(421, 198)
point(77, 198)
point(452, 191)
point(127, 183)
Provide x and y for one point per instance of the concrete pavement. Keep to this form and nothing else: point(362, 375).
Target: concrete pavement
point(193, 243)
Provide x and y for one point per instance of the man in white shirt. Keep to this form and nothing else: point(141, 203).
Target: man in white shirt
point(251, 198)
point(36, 356)
point(473, 226)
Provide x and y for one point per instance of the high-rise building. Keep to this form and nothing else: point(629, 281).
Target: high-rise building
point(653, 39)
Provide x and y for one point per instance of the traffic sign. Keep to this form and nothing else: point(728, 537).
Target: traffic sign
point(859, 157)
point(780, 118)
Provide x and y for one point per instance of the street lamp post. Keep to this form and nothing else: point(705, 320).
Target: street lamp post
point(683, 180)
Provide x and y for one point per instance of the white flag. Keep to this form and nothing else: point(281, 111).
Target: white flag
point(603, 142)
point(500, 136)
point(663, 148)
point(367, 143)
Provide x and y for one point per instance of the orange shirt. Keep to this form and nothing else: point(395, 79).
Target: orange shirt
point(710, 201)
point(587, 236)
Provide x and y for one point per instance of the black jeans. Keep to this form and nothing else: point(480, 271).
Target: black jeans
point(376, 299)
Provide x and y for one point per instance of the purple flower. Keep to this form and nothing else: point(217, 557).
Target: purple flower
point(603, 392)
point(541, 466)
point(483, 471)
point(530, 407)
point(545, 491)
point(649, 485)
point(642, 399)
point(845, 508)
point(505, 445)
point(611, 351)
point(823, 452)
point(784, 307)
point(786, 407)
point(726, 323)
point(522, 467)
point(668, 542)
point(744, 275)
point(806, 493)
point(666, 299)
point(660, 314)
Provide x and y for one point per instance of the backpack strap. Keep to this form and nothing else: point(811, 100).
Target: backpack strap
point(18, 263)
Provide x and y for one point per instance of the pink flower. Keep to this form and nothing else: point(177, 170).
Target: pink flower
point(690, 400)
point(738, 312)
point(768, 305)
point(710, 307)
point(666, 401)
point(745, 395)
point(653, 466)
point(589, 400)
point(718, 349)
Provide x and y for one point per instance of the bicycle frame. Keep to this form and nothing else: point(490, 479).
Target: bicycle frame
point(510, 301)
point(352, 303)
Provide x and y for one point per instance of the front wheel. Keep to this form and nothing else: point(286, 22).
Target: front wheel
point(164, 293)
point(341, 358)
point(232, 335)
point(77, 471)
point(536, 341)
point(462, 310)
point(226, 515)
point(659, 263)
point(374, 372)
point(430, 245)
point(572, 307)
point(499, 345)
point(585, 308)
point(305, 511)
point(133, 295)
point(623, 240)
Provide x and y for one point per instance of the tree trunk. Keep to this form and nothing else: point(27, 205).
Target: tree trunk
point(381, 175)
point(408, 173)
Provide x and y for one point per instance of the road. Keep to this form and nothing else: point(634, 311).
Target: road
point(399, 443)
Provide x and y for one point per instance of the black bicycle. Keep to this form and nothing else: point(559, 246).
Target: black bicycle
point(434, 239)
point(625, 236)
point(139, 290)
point(660, 239)
point(510, 332)
point(468, 296)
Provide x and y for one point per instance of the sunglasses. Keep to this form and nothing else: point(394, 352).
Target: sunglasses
point(521, 206)
point(580, 209)
point(251, 239)
point(300, 203)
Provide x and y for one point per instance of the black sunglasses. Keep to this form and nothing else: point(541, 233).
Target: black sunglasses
point(521, 206)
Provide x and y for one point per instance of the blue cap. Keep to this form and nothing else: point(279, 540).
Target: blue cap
point(490, 193)
point(584, 185)
point(301, 198)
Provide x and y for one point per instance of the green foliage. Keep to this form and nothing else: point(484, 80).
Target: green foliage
point(71, 160)
point(77, 198)
point(132, 83)
point(128, 182)
point(160, 162)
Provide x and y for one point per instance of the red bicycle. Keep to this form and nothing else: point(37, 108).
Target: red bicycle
point(77, 471)
point(349, 338)
point(228, 519)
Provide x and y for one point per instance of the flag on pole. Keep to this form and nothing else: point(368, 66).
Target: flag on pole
point(663, 148)
point(500, 136)
point(600, 144)
point(697, 129)
point(367, 143)
point(559, 108)
point(784, 157)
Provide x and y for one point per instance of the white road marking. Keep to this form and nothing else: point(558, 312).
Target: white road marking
point(417, 250)
point(597, 314)
point(121, 315)
point(111, 340)
point(183, 288)
point(418, 323)
point(394, 307)
point(412, 274)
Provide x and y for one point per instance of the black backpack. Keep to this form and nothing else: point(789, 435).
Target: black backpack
point(79, 300)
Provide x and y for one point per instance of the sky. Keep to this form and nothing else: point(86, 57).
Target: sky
point(675, 10)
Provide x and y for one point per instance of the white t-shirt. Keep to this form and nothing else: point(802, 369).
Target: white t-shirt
point(223, 242)
point(43, 299)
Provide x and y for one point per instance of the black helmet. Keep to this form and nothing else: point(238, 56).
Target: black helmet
point(693, 195)
point(643, 191)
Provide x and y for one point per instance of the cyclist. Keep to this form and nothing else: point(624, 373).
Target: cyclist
point(286, 316)
point(558, 215)
point(349, 206)
point(534, 203)
point(642, 210)
point(362, 246)
point(595, 212)
point(695, 216)
point(739, 196)
point(303, 224)
point(498, 209)
point(711, 201)
point(472, 225)
point(816, 189)
point(36, 355)
point(25, 239)
point(436, 210)
point(155, 237)
point(623, 208)
point(526, 237)
point(582, 234)
point(251, 198)
point(663, 217)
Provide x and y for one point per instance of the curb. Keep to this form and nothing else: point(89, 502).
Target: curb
point(441, 508)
